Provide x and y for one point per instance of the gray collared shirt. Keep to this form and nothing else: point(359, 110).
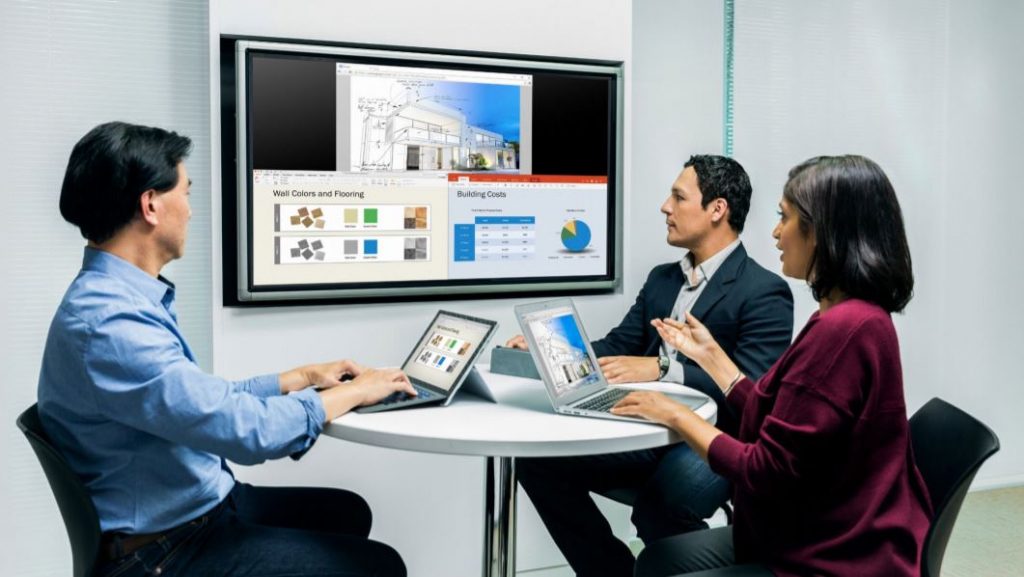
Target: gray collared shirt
point(695, 278)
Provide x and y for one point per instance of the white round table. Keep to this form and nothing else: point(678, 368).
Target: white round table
point(521, 424)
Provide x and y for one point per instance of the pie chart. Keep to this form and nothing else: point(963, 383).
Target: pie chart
point(575, 235)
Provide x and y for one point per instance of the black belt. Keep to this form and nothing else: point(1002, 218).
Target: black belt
point(117, 545)
point(114, 545)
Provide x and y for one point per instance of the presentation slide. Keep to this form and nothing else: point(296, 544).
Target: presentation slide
point(329, 227)
point(505, 225)
point(400, 119)
point(444, 350)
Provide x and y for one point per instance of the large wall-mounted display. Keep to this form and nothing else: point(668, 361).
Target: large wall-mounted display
point(359, 172)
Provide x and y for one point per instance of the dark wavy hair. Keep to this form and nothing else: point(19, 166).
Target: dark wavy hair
point(862, 250)
point(110, 168)
point(723, 177)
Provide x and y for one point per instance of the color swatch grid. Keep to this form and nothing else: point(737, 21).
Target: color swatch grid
point(437, 361)
point(415, 218)
point(449, 344)
point(308, 250)
point(306, 218)
point(441, 352)
point(345, 249)
point(350, 218)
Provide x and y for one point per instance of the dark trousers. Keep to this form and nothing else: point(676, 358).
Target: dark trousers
point(676, 492)
point(269, 531)
point(706, 553)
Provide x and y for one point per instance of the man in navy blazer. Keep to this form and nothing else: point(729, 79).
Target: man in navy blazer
point(750, 313)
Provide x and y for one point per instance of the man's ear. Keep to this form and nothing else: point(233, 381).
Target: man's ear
point(148, 203)
point(719, 210)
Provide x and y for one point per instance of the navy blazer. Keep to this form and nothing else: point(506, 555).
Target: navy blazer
point(748, 310)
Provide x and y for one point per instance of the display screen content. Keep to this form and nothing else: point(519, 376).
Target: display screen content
point(445, 350)
point(560, 343)
point(363, 172)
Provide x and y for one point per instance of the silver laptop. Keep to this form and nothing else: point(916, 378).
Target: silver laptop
point(567, 364)
point(441, 362)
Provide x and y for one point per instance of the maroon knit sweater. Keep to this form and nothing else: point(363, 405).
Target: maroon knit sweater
point(824, 475)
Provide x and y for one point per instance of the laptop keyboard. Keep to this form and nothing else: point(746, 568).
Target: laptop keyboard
point(603, 402)
point(399, 396)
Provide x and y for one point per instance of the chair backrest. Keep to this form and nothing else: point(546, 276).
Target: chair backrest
point(80, 518)
point(949, 448)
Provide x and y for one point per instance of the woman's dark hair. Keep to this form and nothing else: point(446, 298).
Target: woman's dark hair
point(850, 205)
point(110, 168)
point(723, 177)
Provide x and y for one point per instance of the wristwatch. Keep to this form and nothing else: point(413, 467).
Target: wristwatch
point(663, 364)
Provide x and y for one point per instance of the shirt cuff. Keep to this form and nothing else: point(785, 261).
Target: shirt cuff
point(675, 373)
point(315, 417)
point(725, 456)
point(738, 395)
point(263, 386)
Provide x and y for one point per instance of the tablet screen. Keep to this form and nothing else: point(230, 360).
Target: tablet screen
point(447, 348)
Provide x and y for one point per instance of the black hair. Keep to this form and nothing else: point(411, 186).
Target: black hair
point(723, 177)
point(861, 244)
point(110, 168)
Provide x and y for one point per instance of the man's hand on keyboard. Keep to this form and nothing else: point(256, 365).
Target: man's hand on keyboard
point(375, 384)
point(621, 369)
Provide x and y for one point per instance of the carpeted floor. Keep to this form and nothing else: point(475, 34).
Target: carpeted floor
point(988, 538)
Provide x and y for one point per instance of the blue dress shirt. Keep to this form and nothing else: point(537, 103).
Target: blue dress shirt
point(144, 427)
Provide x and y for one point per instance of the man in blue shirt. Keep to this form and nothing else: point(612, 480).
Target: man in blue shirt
point(148, 431)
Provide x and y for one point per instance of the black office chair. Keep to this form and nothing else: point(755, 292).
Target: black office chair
point(80, 518)
point(949, 447)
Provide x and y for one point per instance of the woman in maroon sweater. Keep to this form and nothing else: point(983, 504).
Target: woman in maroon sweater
point(824, 476)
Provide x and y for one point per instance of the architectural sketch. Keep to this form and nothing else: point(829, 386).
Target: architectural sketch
point(408, 125)
point(561, 345)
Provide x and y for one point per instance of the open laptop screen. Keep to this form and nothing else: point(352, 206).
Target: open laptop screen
point(562, 348)
point(446, 349)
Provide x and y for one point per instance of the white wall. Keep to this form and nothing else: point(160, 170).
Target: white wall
point(930, 90)
point(975, 342)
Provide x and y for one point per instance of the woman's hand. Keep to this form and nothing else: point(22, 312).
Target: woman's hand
point(658, 408)
point(691, 338)
point(695, 341)
point(652, 406)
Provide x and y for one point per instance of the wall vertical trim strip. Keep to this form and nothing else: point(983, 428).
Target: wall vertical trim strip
point(727, 88)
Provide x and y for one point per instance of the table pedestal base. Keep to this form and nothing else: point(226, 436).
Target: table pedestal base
point(500, 518)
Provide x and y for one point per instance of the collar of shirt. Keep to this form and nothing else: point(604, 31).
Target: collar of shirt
point(706, 269)
point(159, 290)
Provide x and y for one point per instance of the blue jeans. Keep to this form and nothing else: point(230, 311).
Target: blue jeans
point(676, 491)
point(267, 532)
